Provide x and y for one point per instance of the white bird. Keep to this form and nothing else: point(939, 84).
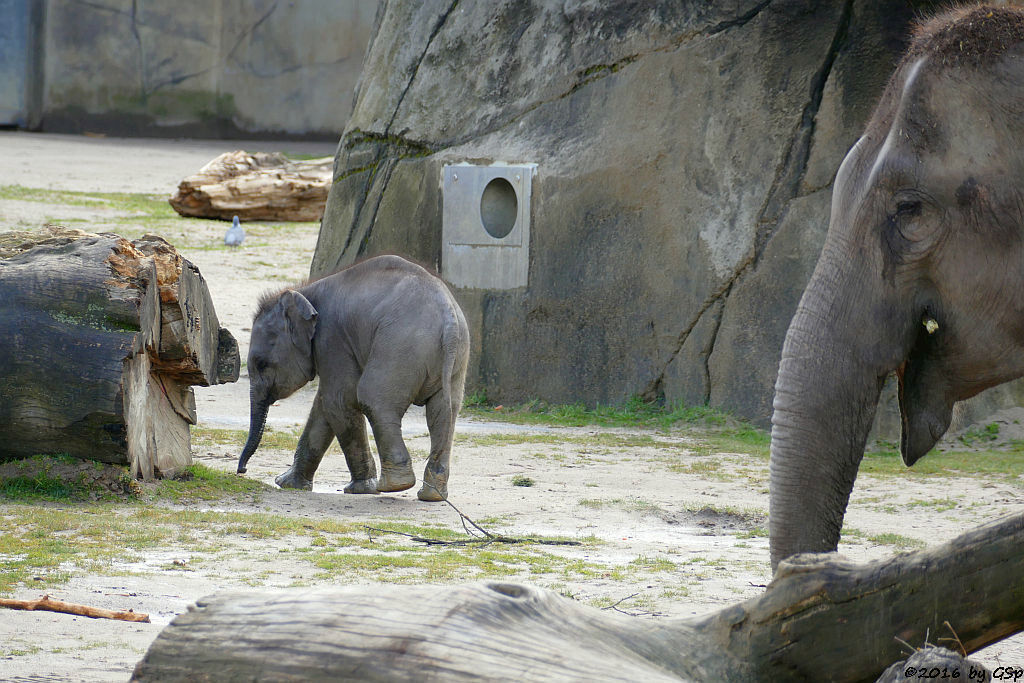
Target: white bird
point(234, 236)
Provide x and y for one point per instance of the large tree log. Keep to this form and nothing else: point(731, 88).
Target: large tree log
point(101, 340)
point(822, 618)
point(256, 187)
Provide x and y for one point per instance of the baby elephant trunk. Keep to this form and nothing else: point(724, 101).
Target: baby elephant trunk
point(257, 421)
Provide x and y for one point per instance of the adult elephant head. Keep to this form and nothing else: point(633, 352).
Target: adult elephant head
point(921, 274)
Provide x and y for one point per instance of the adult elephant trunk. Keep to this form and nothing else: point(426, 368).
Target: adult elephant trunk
point(830, 377)
point(257, 421)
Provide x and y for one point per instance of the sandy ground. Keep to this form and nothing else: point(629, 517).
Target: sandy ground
point(646, 501)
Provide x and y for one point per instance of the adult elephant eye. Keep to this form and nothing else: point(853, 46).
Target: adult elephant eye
point(908, 209)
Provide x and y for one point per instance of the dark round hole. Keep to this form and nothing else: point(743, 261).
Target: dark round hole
point(498, 208)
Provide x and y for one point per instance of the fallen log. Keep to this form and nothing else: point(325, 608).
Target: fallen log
point(256, 187)
point(821, 618)
point(48, 604)
point(101, 340)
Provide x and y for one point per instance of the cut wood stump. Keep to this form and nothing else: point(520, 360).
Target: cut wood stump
point(101, 341)
point(821, 619)
point(256, 187)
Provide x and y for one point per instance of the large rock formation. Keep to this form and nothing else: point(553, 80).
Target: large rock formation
point(684, 154)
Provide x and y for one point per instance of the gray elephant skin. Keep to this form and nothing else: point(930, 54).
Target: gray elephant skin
point(382, 334)
point(921, 272)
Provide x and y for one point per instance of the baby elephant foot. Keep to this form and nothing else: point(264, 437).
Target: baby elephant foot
point(292, 480)
point(396, 478)
point(362, 486)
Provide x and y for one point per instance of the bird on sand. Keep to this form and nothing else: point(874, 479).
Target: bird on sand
point(234, 236)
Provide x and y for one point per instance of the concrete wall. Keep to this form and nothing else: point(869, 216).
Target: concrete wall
point(202, 68)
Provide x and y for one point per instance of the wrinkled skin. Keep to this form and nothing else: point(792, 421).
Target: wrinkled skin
point(926, 225)
point(382, 335)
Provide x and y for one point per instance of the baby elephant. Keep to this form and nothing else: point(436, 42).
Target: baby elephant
point(382, 334)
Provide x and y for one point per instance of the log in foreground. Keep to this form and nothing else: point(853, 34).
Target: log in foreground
point(255, 187)
point(101, 340)
point(822, 618)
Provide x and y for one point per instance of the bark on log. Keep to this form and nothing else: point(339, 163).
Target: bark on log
point(101, 340)
point(822, 618)
point(256, 187)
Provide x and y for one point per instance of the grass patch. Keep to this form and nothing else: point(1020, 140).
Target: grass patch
point(133, 215)
point(897, 540)
point(635, 412)
point(275, 439)
point(522, 480)
point(756, 532)
point(47, 546)
point(980, 436)
point(652, 564)
point(599, 440)
point(1007, 462)
point(199, 482)
point(716, 431)
point(141, 206)
point(63, 478)
point(628, 504)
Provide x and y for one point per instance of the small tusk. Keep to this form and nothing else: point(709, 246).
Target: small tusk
point(931, 326)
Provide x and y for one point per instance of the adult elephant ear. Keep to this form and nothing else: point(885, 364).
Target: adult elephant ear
point(301, 317)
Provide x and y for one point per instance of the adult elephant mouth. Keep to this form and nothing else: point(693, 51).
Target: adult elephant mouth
point(925, 397)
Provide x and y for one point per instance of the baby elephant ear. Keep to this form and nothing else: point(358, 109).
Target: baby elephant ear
point(301, 317)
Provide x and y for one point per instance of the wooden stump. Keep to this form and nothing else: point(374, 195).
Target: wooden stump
point(821, 619)
point(256, 187)
point(101, 340)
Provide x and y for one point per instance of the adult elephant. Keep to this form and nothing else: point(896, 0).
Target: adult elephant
point(922, 271)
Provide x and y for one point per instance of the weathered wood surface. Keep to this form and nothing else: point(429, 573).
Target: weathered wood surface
point(256, 187)
point(822, 618)
point(101, 340)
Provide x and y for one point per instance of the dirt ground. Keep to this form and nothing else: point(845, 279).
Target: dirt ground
point(690, 536)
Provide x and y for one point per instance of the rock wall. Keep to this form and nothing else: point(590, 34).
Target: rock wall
point(684, 151)
point(220, 68)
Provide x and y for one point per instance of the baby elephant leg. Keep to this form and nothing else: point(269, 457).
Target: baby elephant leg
point(351, 430)
point(441, 424)
point(376, 398)
point(395, 464)
point(316, 438)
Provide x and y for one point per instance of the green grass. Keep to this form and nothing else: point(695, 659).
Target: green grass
point(980, 436)
point(897, 540)
point(141, 206)
point(1005, 462)
point(133, 215)
point(272, 438)
point(522, 480)
point(632, 504)
point(198, 482)
point(47, 547)
point(41, 488)
point(63, 478)
point(714, 430)
point(635, 412)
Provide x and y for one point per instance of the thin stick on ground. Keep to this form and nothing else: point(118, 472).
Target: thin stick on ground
point(50, 605)
point(487, 539)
